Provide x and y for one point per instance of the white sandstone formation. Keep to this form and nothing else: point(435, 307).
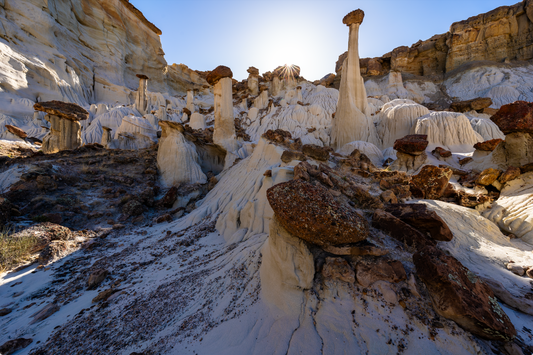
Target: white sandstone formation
point(130, 141)
point(190, 100)
point(224, 133)
point(253, 81)
point(368, 149)
point(486, 128)
point(141, 101)
point(197, 121)
point(287, 268)
point(516, 150)
point(513, 211)
point(481, 247)
point(177, 158)
point(449, 130)
point(275, 86)
point(397, 121)
point(139, 125)
point(351, 122)
point(153, 120)
point(407, 162)
point(106, 136)
point(261, 101)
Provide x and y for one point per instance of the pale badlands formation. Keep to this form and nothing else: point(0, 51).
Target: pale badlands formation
point(179, 212)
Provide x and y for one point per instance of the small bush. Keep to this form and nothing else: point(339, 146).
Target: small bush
point(14, 250)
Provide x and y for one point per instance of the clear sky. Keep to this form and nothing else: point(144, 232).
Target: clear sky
point(241, 33)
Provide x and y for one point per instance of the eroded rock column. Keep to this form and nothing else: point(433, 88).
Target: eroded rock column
point(65, 132)
point(352, 122)
point(224, 134)
point(190, 100)
point(141, 101)
point(253, 81)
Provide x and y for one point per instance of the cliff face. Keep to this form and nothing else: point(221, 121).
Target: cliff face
point(505, 33)
point(82, 51)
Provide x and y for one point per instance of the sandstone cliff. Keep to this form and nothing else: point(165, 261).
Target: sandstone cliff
point(83, 51)
point(503, 34)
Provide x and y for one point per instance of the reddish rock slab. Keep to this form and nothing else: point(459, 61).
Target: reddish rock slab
point(399, 230)
point(510, 174)
point(431, 182)
point(441, 152)
point(220, 72)
point(16, 131)
point(311, 213)
point(368, 272)
point(64, 110)
point(414, 144)
point(458, 294)
point(488, 146)
point(418, 216)
point(515, 117)
point(142, 76)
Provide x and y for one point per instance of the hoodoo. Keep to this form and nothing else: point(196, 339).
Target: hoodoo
point(352, 122)
point(66, 129)
point(224, 134)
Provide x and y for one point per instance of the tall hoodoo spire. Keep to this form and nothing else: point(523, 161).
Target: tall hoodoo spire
point(352, 121)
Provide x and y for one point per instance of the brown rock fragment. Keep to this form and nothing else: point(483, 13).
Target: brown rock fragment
point(414, 144)
point(419, 217)
point(96, 278)
point(338, 269)
point(399, 230)
point(458, 294)
point(488, 146)
point(368, 272)
point(488, 176)
point(316, 152)
point(431, 182)
point(510, 174)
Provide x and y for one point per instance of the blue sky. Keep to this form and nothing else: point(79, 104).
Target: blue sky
point(241, 33)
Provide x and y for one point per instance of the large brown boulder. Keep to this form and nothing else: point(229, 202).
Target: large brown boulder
point(515, 117)
point(65, 110)
point(459, 295)
point(418, 216)
point(400, 230)
point(220, 72)
point(311, 213)
point(431, 182)
point(414, 144)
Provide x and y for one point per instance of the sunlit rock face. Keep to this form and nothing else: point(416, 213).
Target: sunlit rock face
point(83, 52)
